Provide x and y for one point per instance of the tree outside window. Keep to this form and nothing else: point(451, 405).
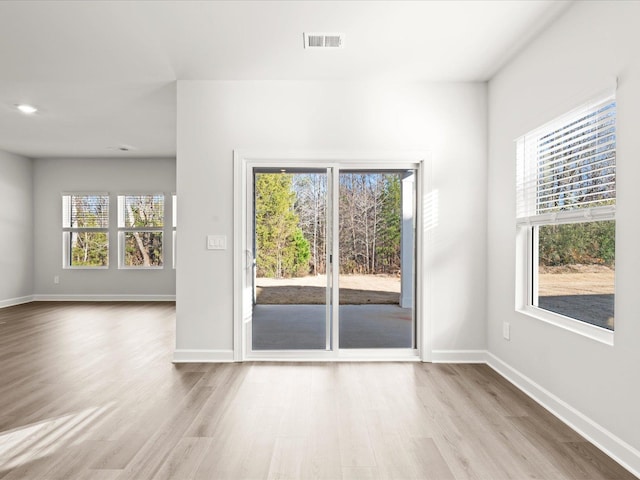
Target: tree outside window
point(140, 225)
point(85, 223)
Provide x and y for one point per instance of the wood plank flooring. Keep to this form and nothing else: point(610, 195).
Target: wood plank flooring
point(88, 391)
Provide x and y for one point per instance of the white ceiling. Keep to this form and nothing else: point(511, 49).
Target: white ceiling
point(102, 73)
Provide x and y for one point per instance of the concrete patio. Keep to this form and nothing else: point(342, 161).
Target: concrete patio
point(302, 327)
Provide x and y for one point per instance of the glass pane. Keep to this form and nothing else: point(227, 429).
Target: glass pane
point(88, 249)
point(377, 245)
point(142, 211)
point(85, 211)
point(576, 271)
point(143, 249)
point(290, 298)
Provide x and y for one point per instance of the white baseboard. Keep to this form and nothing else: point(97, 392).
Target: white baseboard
point(459, 356)
point(10, 302)
point(623, 453)
point(202, 356)
point(103, 298)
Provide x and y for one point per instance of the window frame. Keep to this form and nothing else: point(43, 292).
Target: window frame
point(526, 289)
point(122, 230)
point(67, 232)
point(527, 247)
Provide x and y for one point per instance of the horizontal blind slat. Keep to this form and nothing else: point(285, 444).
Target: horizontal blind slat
point(586, 184)
point(584, 205)
point(591, 151)
point(588, 166)
point(577, 190)
point(573, 134)
point(565, 122)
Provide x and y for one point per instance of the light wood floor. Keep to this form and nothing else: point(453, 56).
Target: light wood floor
point(88, 391)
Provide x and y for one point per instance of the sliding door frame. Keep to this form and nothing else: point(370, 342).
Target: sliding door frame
point(244, 164)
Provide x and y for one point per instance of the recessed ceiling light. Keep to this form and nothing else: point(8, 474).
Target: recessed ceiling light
point(28, 109)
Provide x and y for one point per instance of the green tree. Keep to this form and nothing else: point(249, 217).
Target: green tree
point(388, 249)
point(143, 248)
point(89, 249)
point(586, 243)
point(302, 253)
point(282, 250)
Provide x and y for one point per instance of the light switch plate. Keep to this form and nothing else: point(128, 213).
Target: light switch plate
point(216, 242)
point(506, 330)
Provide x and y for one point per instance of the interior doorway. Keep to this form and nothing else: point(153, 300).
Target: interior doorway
point(331, 256)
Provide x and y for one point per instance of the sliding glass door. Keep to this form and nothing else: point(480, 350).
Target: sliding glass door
point(333, 259)
point(376, 258)
point(292, 295)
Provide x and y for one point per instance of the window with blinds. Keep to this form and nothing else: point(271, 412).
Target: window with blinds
point(140, 230)
point(85, 230)
point(566, 196)
point(567, 168)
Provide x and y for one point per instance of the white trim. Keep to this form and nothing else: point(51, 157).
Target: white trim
point(579, 215)
point(102, 298)
point(10, 302)
point(333, 248)
point(579, 327)
point(357, 159)
point(459, 356)
point(202, 356)
point(239, 235)
point(623, 453)
point(69, 267)
point(342, 355)
point(378, 355)
point(426, 217)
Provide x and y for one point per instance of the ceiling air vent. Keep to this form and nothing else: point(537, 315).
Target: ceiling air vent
point(323, 40)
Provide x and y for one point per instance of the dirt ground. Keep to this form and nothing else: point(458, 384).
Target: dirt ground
point(385, 289)
point(576, 280)
point(354, 290)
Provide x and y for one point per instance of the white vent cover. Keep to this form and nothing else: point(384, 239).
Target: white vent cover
point(323, 40)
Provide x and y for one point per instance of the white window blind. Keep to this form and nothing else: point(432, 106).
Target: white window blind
point(141, 211)
point(566, 169)
point(85, 211)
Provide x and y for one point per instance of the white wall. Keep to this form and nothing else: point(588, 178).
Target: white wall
point(214, 118)
point(116, 176)
point(16, 229)
point(579, 55)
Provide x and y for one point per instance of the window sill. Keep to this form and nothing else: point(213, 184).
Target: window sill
point(140, 268)
point(68, 267)
point(592, 332)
